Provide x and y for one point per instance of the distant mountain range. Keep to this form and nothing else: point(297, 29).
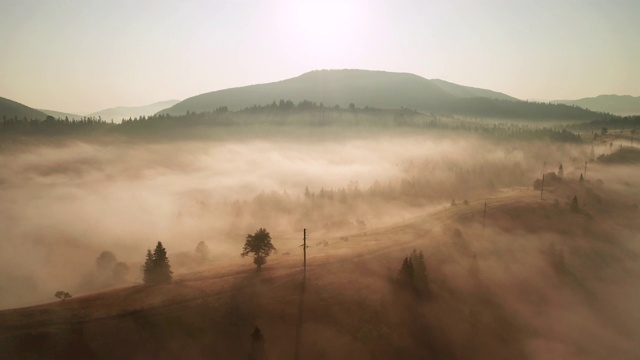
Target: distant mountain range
point(376, 89)
point(125, 112)
point(10, 109)
point(622, 105)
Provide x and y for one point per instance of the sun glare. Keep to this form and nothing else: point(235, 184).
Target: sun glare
point(329, 28)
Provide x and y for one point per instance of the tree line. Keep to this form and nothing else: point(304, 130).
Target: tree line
point(284, 113)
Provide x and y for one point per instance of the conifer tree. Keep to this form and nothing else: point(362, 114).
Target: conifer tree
point(147, 269)
point(406, 274)
point(419, 269)
point(156, 269)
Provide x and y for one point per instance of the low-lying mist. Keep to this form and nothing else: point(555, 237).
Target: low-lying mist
point(64, 203)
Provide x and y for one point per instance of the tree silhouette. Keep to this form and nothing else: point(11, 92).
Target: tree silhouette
point(62, 295)
point(202, 250)
point(120, 271)
point(406, 273)
point(419, 271)
point(258, 244)
point(106, 261)
point(574, 204)
point(412, 276)
point(156, 268)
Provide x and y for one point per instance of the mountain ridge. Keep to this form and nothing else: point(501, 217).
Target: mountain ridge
point(380, 89)
point(123, 112)
point(62, 114)
point(622, 105)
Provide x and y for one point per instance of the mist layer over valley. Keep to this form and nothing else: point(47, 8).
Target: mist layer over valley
point(65, 202)
point(79, 212)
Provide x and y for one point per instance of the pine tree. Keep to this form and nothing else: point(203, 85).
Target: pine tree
point(161, 265)
point(147, 269)
point(406, 274)
point(419, 270)
point(156, 269)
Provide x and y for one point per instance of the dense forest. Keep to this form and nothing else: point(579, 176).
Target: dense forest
point(305, 114)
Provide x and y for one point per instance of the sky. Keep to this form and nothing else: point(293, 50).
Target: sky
point(81, 56)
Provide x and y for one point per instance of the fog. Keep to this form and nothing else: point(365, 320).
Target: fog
point(64, 203)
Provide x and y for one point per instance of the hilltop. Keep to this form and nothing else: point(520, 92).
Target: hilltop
point(622, 105)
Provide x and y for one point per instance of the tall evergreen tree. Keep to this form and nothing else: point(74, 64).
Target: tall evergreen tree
point(156, 267)
point(406, 273)
point(147, 269)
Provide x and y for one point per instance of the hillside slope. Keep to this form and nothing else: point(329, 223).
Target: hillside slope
point(488, 289)
point(61, 114)
point(10, 109)
point(622, 105)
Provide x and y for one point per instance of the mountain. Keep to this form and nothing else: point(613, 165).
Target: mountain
point(124, 112)
point(61, 115)
point(622, 105)
point(378, 89)
point(10, 109)
point(383, 90)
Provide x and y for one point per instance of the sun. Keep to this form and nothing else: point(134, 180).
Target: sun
point(327, 29)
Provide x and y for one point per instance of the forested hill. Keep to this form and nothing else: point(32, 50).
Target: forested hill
point(10, 109)
point(378, 89)
point(383, 90)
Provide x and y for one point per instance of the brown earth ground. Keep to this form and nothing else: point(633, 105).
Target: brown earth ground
point(538, 281)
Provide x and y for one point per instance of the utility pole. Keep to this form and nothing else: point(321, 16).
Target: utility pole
point(304, 251)
point(484, 215)
point(542, 187)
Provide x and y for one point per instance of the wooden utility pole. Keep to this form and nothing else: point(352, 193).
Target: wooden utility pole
point(542, 187)
point(304, 251)
point(484, 215)
point(585, 170)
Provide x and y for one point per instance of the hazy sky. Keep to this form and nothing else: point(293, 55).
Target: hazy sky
point(82, 55)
